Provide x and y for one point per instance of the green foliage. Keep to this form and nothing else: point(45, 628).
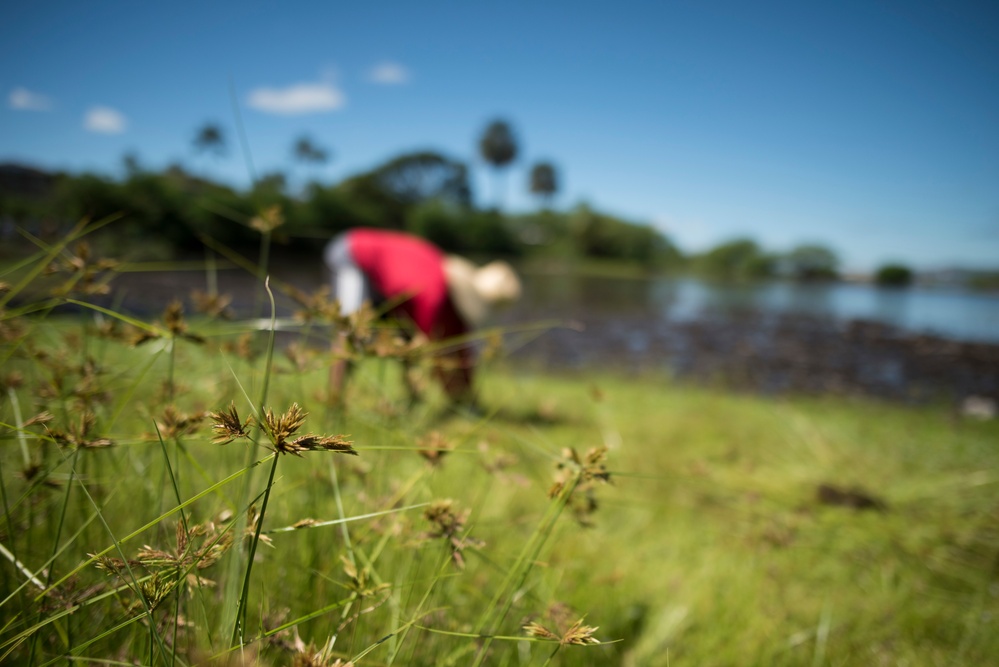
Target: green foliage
point(170, 213)
point(305, 150)
point(439, 223)
point(498, 146)
point(210, 138)
point(462, 231)
point(471, 541)
point(739, 259)
point(893, 275)
point(415, 178)
point(145, 519)
point(543, 181)
point(605, 237)
point(388, 192)
point(326, 211)
point(811, 263)
point(984, 280)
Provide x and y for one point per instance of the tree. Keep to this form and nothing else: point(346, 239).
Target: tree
point(739, 259)
point(462, 231)
point(274, 183)
point(811, 262)
point(307, 152)
point(543, 182)
point(390, 190)
point(131, 163)
point(603, 236)
point(416, 177)
point(210, 139)
point(498, 147)
point(893, 275)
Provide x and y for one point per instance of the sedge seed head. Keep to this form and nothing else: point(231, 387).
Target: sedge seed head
point(227, 425)
point(577, 634)
point(434, 447)
point(580, 635)
point(213, 305)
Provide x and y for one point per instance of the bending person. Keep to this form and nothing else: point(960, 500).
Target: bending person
point(443, 296)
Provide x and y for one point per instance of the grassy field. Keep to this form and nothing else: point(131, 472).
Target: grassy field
point(688, 526)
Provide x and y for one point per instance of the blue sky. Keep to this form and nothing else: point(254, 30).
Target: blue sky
point(872, 127)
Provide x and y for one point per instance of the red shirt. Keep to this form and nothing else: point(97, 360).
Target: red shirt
point(401, 266)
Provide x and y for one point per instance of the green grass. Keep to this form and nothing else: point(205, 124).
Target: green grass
point(708, 546)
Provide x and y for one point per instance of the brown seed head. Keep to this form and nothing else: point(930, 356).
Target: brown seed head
point(213, 305)
point(434, 447)
point(268, 219)
point(281, 427)
point(174, 423)
point(227, 425)
point(580, 635)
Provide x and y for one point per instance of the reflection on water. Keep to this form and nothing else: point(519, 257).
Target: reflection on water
point(952, 313)
point(771, 337)
point(774, 337)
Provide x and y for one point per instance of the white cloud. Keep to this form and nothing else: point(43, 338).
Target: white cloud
point(105, 120)
point(301, 98)
point(25, 100)
point(389, 73)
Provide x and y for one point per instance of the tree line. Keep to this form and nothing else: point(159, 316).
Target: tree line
point(172, 212)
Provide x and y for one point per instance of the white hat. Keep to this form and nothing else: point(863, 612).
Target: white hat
point(475, 290)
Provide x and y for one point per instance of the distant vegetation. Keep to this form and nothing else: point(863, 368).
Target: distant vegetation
point(170, 213)
point(174, 212)
point(893, 275)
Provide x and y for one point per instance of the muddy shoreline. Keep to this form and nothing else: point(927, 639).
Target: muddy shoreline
point(775, 354)
point(764, 352)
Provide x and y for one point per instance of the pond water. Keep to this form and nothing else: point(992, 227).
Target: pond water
point(910, 344)
point(914, 343)
point(948, 312)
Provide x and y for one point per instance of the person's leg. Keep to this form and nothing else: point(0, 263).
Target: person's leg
point(351, 289)
point(409, 381)
point(339, 368)
point(454, 371)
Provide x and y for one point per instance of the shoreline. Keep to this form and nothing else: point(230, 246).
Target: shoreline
point(766, 352)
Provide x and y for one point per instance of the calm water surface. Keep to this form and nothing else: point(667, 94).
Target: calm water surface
point(948, 312)
point(911, 344)
point(772, 337)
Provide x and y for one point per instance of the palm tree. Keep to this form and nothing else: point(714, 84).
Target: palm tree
point(498, 147)
point(307, 152)
point(543, 182)
point(210, 139)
